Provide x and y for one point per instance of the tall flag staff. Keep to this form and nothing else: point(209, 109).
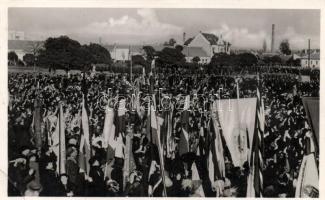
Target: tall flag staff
point(255, 177)
point(130, 58)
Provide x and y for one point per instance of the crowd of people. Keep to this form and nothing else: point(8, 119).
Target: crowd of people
point(32, 170)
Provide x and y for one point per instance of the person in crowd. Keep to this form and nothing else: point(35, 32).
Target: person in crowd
point(32, 171)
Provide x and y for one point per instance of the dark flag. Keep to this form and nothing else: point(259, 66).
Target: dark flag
point(255, 177)
point(156, 171)
point(311, 106)
point(184, 146)
point(36, 126)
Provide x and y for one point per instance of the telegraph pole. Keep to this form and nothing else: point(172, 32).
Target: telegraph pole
point(130, 64)
point(308, 53)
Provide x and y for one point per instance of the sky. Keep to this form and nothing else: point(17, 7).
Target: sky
point(243, 28)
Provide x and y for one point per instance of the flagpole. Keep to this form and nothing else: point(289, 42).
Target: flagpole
point(238, 118)
point(162, 169)
point(130, 56)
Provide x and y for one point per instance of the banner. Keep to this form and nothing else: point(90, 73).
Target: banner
point(307, 184)
point(237, 118)
point(58, 142)
point(311, 106)
point(305, 78)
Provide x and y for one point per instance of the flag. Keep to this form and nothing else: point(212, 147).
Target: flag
point(237, 120)
point(36, 125)
point(308, 180)
point(153, 65)
point(255, 177)
point(311, 106)
point(156, 172)
point(143, 76)
point(58, 142)
point(120, 128)
point(170, 138)
point(216, 161)
point(109, 134)
point(85, 148)
point(196, 177)
point(184, 146)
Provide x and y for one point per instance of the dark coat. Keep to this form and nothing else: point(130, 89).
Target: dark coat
point(51, 184)
point(72, 169)
point(97, 186)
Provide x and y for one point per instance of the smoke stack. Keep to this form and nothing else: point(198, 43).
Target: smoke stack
point(184, 37)
point(272, 40)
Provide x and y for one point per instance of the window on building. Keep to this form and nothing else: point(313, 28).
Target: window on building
point(316, 62)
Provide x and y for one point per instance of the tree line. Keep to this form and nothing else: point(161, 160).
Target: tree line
point(65, 53)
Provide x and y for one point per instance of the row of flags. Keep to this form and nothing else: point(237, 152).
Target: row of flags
point(161, 140)
point(236, 125)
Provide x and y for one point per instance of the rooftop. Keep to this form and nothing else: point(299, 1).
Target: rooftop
point(213, 39)
point(313, 56)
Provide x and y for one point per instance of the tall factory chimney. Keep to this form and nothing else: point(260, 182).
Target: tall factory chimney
point(272, 40)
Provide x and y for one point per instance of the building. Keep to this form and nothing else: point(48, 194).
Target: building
point(313, 62)
point(23, 47)
point(210, 43)
point(122, 53)
point(16, 35)
point(191, 52)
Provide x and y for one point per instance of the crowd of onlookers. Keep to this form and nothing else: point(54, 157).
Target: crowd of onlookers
point(32, 171)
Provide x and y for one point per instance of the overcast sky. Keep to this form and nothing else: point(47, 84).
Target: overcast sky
point(244, 28)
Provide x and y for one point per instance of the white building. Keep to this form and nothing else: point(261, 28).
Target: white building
point(210, 43)
point(191, 52)
point(16, 35)
point(122, 53)
point(314, 61)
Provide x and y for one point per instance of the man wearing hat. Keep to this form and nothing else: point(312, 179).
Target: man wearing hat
point(97, 184)
point(72, 168)
point(33, 189)
point(49, 180)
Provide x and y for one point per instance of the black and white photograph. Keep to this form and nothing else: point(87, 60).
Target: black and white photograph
point(163, 102)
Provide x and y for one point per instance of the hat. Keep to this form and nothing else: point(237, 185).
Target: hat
point(35, 186)
point(72, 141)
point(93, 159)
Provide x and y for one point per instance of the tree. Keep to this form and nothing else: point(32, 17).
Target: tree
point(99, 54)
point(223, 59)
point(179, 48)
point(138, 60)
point(12, 57)
point(171, 56)
point(293, 62)
point(196, 59)
point(246, 59)
point(172, 42)
point(285, 47)
point(150, 51)
point(272, 60)
point(29, 59)
point(63, 52)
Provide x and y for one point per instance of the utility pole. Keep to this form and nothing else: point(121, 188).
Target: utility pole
point(272, 39)
point(130, 64)
point(308, 53)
